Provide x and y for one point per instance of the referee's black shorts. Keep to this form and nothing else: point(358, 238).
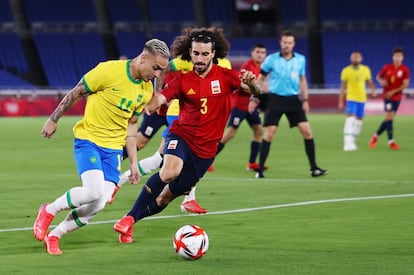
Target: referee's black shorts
point(291, 106)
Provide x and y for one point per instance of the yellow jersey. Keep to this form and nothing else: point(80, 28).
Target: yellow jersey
point(356, 79)
point(114, 97)
point(177, 64)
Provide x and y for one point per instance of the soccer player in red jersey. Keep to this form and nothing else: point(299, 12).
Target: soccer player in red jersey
point(191, 145)
point(240, 110)
point(394, 78)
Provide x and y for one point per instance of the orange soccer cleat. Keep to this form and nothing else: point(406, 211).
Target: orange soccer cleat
point(394, 146)
point(52, 245)
point(192, 206)
point(116, 189)
point(254, 166)
point(42, 222)
point(125, 228)
point(373, 141)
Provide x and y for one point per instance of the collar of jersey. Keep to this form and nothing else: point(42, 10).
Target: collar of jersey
point(135, 81)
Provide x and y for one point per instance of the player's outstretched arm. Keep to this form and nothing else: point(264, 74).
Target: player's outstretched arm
point(249, 82)
point(50, 126)
point(155, 103)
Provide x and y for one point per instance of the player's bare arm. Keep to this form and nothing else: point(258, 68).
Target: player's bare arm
point(382, 81)
point(404, 85)
point(342, 95)
point(249, 82)
point(371, 85)
point(155, 103)
point(50, 126)
point(131, 147)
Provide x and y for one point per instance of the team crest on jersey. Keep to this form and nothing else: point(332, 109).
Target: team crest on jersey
point(172, 145)
point(92, 159)
point(139, 98)
point(215, 87)
point(191, 92)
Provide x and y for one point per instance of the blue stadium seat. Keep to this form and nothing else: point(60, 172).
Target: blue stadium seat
point(124, 11)
point(220, 11)
point(5, 12)
point(60, 11)
point(130, 43)
point(293, 11)
point(356, 10)
point(171, 11)
point(8, 80)
point(11, 53)
point(167, 37)
point(66, 57)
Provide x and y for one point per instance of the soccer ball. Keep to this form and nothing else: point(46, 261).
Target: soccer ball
point(191, 242)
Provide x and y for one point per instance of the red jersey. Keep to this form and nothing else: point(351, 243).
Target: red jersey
point(204, 107)
point(395, 77)
point(240, 99)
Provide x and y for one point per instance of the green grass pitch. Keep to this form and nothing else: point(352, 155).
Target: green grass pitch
point(306, 229)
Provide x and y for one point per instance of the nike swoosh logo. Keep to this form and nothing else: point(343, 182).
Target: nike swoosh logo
point(115, 90)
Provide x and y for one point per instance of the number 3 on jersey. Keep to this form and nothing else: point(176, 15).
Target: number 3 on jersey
point(203, 108)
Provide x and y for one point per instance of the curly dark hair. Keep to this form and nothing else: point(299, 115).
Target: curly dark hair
point(182, 43)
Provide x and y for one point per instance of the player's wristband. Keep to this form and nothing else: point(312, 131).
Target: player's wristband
point(304, 100)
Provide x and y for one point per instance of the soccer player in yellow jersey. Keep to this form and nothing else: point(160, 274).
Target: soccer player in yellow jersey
point(117, 93)
point(353, 81)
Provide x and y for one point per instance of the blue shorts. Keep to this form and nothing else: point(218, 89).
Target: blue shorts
point(237, 116)
point(89, 156)
point(355, 108)
point(391, 105)
point(170, 120)
point(151, 124)
point(194, 167)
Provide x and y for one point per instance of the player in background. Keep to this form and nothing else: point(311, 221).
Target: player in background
point(117, 93)
point(240, 110)
point(394, 78)
point(191, 144)
point(287, 80)
point(354, 78)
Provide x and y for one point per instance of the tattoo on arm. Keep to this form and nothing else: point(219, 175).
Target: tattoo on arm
point(68, 101)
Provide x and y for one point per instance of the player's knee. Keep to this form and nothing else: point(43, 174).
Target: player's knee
point(257, 132)
point(307, 133)
point(168, 175)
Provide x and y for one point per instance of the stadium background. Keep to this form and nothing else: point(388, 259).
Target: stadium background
point(47, 45)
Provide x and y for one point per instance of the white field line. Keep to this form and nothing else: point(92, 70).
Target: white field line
point(242, 210)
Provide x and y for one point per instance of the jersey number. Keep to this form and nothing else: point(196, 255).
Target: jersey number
point(203, 108)
point(122, 103)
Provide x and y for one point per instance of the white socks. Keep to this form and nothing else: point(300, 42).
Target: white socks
point(148, 164)
point(86, 202)
point(356, 129)
point(190, 196)
point(145, 167)
point(352, 128)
